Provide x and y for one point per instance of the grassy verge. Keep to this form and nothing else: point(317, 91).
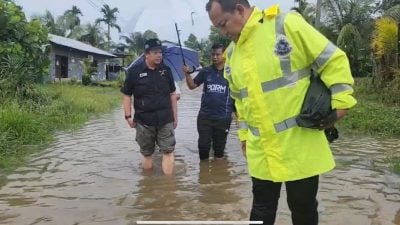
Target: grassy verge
point(28, 126)
point(372, 117)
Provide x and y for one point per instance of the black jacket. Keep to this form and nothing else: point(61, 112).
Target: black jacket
point(151, 90)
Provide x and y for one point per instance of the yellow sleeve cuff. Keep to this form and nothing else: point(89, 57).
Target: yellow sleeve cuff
point(343, 101)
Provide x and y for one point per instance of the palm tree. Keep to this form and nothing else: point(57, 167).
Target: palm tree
point(307, 11)
point(349, 40)
point(350, 18)
point(73, 17)
point(393, 12)
point(384, 5)
point(109, 18)
point(135, 42)
point(94, 35)
point(48, 21)
point(300, 2)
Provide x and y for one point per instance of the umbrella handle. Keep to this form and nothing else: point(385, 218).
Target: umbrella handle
point(193, 69)
point(179, 43)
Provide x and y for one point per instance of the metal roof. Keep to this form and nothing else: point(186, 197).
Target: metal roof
point(67, 42)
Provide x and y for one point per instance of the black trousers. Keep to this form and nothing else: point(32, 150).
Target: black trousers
point(301, 198)
point(213, 131)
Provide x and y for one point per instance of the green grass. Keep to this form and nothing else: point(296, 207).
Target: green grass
point(28, 126)
point(371, 116)
point(394, 163)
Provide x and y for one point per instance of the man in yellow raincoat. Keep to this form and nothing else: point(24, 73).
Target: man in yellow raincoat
point(268, 66)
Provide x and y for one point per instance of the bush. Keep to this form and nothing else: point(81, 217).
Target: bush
point(121, 79)
point(17, 79)
point(22, 39)
point(86, 79)
point(89, 70)
point(391, 93)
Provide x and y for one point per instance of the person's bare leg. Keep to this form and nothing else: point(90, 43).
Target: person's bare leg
point(168, 163)
point(147, 162)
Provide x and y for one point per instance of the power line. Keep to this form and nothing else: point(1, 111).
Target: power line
point(102, 2)
point(90, 3)
point(93, 4)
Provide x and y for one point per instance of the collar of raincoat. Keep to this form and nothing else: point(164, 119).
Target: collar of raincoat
point(254, 20)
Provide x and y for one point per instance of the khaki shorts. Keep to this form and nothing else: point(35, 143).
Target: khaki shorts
point(148, 136)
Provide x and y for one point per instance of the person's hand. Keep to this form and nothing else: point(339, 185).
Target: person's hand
point(175, 123)
point(330, 121)
point(132, 123)
point(186, 69)
point(244, 148)
point(340, 113)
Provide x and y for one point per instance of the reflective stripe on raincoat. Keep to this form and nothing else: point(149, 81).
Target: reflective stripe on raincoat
point(268, 70)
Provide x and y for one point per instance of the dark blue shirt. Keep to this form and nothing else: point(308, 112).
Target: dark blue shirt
point(216, 102)
point(151, 90)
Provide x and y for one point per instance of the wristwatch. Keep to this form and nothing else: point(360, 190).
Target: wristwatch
point(128, 117)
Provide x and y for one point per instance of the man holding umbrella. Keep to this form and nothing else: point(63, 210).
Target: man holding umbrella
point(215, 115)
point(155, 104)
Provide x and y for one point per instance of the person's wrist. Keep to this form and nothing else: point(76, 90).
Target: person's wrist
point(128, 117)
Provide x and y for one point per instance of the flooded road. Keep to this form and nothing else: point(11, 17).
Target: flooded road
point(93, 176)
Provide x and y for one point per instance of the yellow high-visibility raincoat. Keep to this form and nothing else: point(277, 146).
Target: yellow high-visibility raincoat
point(268, 70)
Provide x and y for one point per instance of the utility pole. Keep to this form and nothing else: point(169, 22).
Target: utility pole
point(318, 15)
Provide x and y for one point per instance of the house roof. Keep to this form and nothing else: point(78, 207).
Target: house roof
point(71, 43)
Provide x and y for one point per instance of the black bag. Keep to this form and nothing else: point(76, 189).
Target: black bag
point(316, 111)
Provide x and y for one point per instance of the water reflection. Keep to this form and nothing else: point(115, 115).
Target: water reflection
point(157, 199)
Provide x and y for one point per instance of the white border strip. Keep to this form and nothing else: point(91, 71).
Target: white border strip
point(199, 222)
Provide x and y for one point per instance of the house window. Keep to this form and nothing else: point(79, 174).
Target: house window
point(114, 68)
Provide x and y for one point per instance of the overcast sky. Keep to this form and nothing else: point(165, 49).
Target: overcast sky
point(140, 15)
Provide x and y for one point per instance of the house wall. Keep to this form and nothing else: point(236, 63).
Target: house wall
point(75, 63)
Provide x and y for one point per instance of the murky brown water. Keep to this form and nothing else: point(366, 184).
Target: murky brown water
point(93, 176)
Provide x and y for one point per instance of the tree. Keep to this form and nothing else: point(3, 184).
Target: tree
point(48, 21)
point(394, 13)
point(72, 22)
point(205, 45)
point(349, 40)
point(384, 5)
point(216, 37)
point(72, 15)
point(306, 10)
point(353, 16)
point(109, 18)
point(135, 41)
point(66, 25)
point(385, 43)
point(94, 35)
point(149, 34)
point(22, 52)
point(192, 42)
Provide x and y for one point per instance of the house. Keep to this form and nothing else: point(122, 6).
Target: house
point(66, 59)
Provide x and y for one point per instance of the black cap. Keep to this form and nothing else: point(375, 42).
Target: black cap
point(152, 44)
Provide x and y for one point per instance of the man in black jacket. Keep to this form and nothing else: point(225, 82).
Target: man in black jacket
point(155, 106)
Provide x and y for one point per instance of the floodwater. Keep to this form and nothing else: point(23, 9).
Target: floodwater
point(93, 176)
